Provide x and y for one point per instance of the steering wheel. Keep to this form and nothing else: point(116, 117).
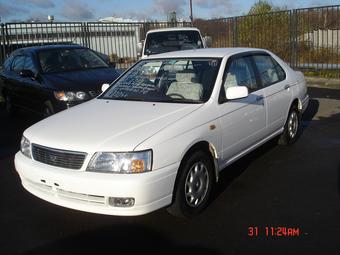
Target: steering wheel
point(176, 95)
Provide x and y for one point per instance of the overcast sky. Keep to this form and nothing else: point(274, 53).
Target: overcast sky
point(91, 10)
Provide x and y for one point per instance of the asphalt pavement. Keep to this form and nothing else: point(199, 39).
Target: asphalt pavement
point(296, 188)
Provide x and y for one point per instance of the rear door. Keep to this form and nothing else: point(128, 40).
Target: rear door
point(277, 90)
point(243, 121)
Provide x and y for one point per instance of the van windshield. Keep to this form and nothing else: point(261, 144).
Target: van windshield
point(160, 42)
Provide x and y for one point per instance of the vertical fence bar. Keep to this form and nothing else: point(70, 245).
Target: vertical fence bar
point(235, 34)
point(3, 44)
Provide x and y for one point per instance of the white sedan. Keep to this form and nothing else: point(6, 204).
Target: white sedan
point(160, 137)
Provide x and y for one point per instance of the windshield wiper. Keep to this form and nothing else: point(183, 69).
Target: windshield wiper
point(126, 98)
point(186, 101)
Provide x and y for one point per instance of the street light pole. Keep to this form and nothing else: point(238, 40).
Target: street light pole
point(191, 16)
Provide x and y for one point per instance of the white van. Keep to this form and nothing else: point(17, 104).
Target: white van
point(171, 39)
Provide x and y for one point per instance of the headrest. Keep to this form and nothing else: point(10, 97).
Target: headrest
point(185, 77)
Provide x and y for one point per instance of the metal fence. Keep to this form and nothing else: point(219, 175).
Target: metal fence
point(308, 39)
point(116, 40)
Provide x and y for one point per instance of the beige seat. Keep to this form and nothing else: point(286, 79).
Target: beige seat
point(186, 86)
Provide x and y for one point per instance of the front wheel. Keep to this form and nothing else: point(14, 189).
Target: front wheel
point(193, 186)
point(292, 127)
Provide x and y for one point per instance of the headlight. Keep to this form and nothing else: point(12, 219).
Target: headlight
point(70, 95)
point(121, 162)
point(25, 147)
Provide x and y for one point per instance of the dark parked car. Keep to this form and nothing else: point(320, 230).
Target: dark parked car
point(48, 79)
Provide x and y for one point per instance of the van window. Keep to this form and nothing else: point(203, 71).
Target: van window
point(160, 42)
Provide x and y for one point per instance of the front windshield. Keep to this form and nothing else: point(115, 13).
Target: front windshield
point(63, 60)
point(167, 80)
point(160, 42)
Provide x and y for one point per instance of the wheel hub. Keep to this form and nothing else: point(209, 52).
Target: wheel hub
point(196, 184)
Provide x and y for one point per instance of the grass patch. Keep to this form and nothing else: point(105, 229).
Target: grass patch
point(323, 74)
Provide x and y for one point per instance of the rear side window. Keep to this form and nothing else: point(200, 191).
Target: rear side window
point(18, 63)
point(270, 71)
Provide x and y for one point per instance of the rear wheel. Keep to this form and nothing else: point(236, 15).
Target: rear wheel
point(193, 186)
point(292, 127)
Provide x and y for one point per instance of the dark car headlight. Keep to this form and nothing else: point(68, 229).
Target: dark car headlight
point(70, 95)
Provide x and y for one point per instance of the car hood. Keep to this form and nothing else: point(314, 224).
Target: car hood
point(91, 79)
point(106, 125)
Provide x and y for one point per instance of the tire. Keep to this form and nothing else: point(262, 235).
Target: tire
point(292, 127)
point(196, 174)
point(47, 110)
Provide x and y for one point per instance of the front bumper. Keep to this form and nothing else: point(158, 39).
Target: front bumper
point(90, 192)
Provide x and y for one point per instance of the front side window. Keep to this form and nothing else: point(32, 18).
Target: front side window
point(63, 60)
point(160, 42)
point(18, 63)
point(29, 65)
point(167, 80)
point(270, 71)
point(240, 72)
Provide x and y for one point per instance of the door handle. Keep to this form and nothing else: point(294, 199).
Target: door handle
point(287, 87)
point(259, 98)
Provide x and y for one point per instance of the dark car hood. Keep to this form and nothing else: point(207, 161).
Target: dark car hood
point(91, 79)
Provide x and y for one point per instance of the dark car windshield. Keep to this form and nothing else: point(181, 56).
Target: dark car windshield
point(167, 80)
point(160, 42)
point(61, 60)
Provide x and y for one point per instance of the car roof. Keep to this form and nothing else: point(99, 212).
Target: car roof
point(46, 47)
point(205, 53)
point(173, 29)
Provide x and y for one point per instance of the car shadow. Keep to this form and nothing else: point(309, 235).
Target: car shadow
point(119, 239)
point(310, 112)
point(227, 176)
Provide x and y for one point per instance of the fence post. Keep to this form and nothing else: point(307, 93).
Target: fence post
point(84, 28)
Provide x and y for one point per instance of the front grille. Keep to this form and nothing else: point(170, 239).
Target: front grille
point(59, 158)
point(94, 93)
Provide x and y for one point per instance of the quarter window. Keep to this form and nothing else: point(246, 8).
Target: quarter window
point(270, 71)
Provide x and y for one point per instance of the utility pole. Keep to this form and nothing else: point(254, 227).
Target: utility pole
point(191, 16)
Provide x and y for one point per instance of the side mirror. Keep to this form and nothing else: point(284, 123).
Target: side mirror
point(27, 73)
point(112, 64)
point(236, 92)
point(140, 48)
point(105, 86)
point(207, 40)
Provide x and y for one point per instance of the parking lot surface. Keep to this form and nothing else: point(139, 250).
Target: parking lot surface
point(296, 188)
